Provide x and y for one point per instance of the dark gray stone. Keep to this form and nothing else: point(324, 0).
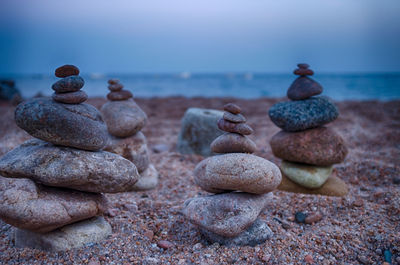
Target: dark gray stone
point(8, 91)
point(68, 84)
point(256, 234)
point(74, 125)
point(305, 114)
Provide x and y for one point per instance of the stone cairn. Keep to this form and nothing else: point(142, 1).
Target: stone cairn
point(51, 187)
point(242, 183)
point(307, 147)
point(124, 120)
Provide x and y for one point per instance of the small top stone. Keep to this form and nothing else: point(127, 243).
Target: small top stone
point(66, 70)
point(303, 70)
point(113, 81)
point(115, 87)
point(232, 108)
point(303, 65)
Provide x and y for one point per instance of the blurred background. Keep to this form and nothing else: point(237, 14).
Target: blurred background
point(237, 48)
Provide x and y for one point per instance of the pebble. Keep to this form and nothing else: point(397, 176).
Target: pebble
point(113, 81)
point(165, 244)
point(240, 128)
point(149, 234)
point(303, 72)
point(112, 212)
point(197, 246)
point(358, 202)
point(68, 84)
point(148, 179)
point(235, 118)
point(313, 218)
point(71, 97)
point(309, 259)
point(300, 217)
point(221, 173)
point(303, 65)
point(232, 108)
point(387, 256)
point(115, 87)
point(74, 125)
point(66, 70)
point(303, 88)
point(233, 143)
point(159, 148)
point(119, 95)
point(305, 114)
point(320, 146)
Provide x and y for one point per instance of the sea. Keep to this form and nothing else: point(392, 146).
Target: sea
point(371, 86)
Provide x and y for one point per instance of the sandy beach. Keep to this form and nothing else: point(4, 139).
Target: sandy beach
point(356, 229)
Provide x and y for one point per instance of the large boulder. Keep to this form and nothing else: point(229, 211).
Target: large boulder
point(38, 208)
point(198, 129)
point(124, 117)
point(237, 171)
point(74, 125)
point(69, 167)
point(72, 236)
point(227, 214)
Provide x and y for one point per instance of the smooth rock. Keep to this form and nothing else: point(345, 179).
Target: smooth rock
point(164, 244)
point(160, 148)
point(303, 88)
point(9, 92)
point(115, 87)
point(240, 128)
point(334, 186)
point(313, 218)
point(303, 65)
point(303, 72)
point(66, 70)
point(303, 114)
point(256, 234)
point(235, 118)
point(68, 84)
point(242, 172)
point(133, 148)
point(300, 217)
point(227, 214)
point(72, 236)
point(123, 118)
point(320, 146)
point(69, 167)
point(70, 97)
point(113, 81)
point(75, 125)
point(232, 108)
point(198, 130)
point(27, 205)
point(148, 179)
point(233, 143)
point(308, 176)
point(119, 95)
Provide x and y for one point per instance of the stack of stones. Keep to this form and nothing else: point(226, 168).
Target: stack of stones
point(242, 183)
point(51, 187)
point(125, 119)
point(307, 147)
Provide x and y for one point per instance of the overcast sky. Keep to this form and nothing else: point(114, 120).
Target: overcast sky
point(119, 36)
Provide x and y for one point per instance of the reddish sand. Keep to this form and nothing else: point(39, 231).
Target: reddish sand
point(355, 229)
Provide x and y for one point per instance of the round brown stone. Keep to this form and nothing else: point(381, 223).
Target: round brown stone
point(115, 87)
point(113, 81)
point(303, 65)
point(70, 97)
point(302, 71)
point(235, 118)
point(233, 143)
point(320, 146)
point(303, 87)
point(232, 108)
point(66, 70)
point(119, 95)
point(240, 128)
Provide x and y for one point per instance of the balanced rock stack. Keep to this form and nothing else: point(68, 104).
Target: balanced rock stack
point(242, 181)
point(308, 149)
point(50, 189)
point(125, 119)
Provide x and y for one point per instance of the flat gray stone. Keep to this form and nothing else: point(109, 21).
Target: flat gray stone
point(73, 125)
point(198, 129)
point(69, 167)
point(256, 234)
point(72, 236)
point(38, 208)
point(148, 179)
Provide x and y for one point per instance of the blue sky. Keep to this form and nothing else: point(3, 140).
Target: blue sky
point(124, 36)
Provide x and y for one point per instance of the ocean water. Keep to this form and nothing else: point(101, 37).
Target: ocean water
point(244, 85)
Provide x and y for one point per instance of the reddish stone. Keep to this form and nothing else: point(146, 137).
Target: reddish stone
point(165, 244)
point(232, 108)
point(233, 143)
point(240, 128)
point(309, 259)
point(303, 65)
point(70, 97)
point(302, 71)
point(313, 218)
point(119, 95)
point(66, 70)
point(115, 87)
point(113, 81)
point(235, 118)
point(149, 234)
point(319, 146)
point(303, 88)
